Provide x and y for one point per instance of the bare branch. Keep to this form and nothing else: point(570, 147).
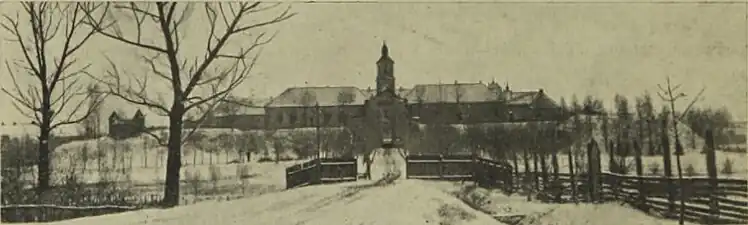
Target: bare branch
point(47, 19)
point(693, 101)
point(128, 93)
point(102, 28)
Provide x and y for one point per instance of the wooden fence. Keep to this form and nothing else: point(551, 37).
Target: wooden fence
point(725, 204)
point(318, 171)
point(75, 208)
point(486, 173)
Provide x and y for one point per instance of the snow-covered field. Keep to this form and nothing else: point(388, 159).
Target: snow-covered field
point(403, 202)
point(141, 159)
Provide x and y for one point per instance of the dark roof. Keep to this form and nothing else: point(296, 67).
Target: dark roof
point(325, 96)
point(114, 115)
point(139, 114)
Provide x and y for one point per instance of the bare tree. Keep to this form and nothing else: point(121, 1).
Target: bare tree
point(344, 98)
point(670, 94)
point(185, 76)
point(49, 42)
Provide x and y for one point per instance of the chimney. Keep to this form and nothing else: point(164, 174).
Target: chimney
point(541, 91)
point(480, 81)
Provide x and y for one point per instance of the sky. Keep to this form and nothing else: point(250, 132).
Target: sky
point(598, 49)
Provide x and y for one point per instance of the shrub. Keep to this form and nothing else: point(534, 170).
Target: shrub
point(194, 180)
point(654, 168)
point(242, 172)
point(215, 177)
point(727, 167)
point(690, 171)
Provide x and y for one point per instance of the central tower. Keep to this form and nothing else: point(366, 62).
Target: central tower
point(385, 72)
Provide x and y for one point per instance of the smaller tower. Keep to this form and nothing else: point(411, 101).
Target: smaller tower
point(139, 121)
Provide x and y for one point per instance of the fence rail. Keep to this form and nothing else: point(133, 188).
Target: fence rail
point(486, 172)
point(70, 209)
point(324, 170)
point(658, 194)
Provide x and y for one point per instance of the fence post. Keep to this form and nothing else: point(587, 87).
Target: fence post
point(639, 173)
point(711, 167)
point(572, 176)
point(593, 171)
point(535, 177)
point(440, 163)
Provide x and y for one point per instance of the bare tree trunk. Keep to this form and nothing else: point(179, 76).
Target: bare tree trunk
point(174, 158)
point(43, 164)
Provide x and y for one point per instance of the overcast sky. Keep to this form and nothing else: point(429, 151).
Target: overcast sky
point(597, 49)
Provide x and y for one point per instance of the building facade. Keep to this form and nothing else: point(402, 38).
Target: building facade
point(454, 103)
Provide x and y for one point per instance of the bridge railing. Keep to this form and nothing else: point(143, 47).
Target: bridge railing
point(459, 167)
point(324, 170)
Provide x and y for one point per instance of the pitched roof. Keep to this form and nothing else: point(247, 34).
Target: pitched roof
point(466, 92)
point(325, 96)
point(523, 97)
point(529, 97)
point(400, 91)
point(246, 110)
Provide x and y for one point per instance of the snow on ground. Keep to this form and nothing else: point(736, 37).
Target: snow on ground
point(501, 205)
point(387, 161)
point(363, 202)
point(405, 202)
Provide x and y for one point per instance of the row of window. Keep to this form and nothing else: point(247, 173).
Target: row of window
point(308, 118)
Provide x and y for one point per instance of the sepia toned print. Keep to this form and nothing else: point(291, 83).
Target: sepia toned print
point(519, 113)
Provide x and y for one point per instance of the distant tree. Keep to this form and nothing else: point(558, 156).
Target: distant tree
point(701, 119)
point(308, 101)
point(344, 98)
point(441, 138)
point(648, 116)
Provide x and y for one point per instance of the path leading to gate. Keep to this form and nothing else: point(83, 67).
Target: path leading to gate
point(387, 162)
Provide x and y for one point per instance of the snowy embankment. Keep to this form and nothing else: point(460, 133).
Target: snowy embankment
point(405, 202)
point(517, 210)
point(366, 202)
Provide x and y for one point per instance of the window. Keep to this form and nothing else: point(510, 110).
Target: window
point(292, 118)
point(327, 119)
point(280, 118)
point(342, 117)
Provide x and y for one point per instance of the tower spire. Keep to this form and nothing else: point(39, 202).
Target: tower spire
point(385, 50)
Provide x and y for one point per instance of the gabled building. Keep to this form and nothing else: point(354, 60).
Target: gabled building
point(121, 127)
point(451, 103)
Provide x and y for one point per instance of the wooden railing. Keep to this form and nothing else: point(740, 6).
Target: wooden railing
point(730, 197)
point(439, 167)
point(485, 172)
point(725, 204)
point(70, 209)
point(318, 171)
